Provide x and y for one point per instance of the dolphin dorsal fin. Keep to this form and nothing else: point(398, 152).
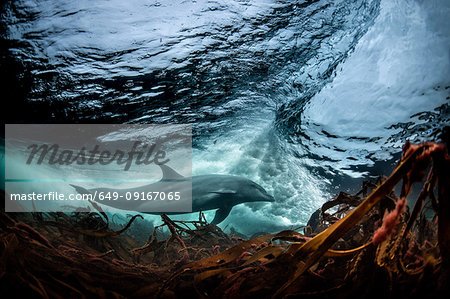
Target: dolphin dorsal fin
point(170, 174)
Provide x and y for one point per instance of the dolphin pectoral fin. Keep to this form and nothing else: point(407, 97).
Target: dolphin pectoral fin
point(169, 173)
point(80, 189)
point(221, 214)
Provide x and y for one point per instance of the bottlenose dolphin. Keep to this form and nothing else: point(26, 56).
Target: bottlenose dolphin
point(209, 192)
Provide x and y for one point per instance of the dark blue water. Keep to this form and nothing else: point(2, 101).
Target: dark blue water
point(303, 97)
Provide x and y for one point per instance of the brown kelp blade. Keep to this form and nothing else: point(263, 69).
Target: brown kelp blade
point(426, 191)
point(234, 252)
point(309, 253)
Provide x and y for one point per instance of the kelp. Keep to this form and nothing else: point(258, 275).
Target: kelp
point(32, 264)
point(188, 240)
point(294, 262)
point(77, 254)
point(364, 245)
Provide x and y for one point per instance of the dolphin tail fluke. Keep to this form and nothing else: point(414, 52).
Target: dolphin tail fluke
point(221, 214)
point(80, 189)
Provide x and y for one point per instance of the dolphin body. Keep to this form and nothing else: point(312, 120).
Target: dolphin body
point(213, 191)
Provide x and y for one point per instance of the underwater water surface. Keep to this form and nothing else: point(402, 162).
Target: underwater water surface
point(303, 97)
